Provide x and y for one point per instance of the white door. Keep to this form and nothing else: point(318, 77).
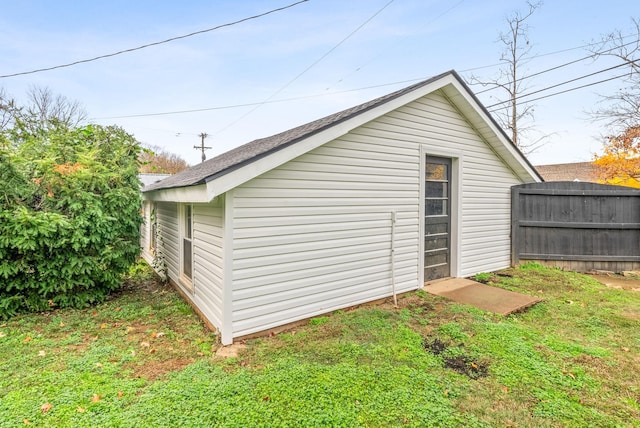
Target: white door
point(437, 221)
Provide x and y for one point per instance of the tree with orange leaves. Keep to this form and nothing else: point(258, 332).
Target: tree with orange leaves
point(153, 159)
point(620, 161)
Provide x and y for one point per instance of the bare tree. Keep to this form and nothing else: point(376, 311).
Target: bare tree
point(7, 110)
point(42, 109)
point(621, 111)
point(46, 107)
point(514, 117)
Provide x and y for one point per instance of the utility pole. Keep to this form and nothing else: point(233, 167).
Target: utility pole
point(202, 146)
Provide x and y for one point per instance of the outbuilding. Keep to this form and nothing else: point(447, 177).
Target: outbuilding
point(357, 206)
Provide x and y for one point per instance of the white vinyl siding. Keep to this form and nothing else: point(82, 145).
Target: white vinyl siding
point(207, 254)
point(169, 240)
point(207, 260)
point(486, 181)
point(314, 235)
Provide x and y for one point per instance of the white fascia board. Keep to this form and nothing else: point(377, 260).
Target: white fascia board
point(189, 194)
point(241, 175)
point(226, 329)
point(499, 143)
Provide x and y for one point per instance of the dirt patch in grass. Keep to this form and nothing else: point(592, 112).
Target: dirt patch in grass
point(152, 370)
point(413, 301)
point(436, 346)
point(457, 360)
point(618, 281)
point(467, 366)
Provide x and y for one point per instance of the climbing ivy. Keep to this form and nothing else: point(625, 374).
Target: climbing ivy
point(159, 262)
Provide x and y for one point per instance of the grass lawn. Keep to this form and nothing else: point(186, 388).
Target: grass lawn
point(143, 359)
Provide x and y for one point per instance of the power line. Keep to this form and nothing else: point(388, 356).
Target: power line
point(502, 63)
point(281, 100)
point(229, 24)
point(558, 66)
point(565, 91)
point(271, 101)
point(568, 81)
point(327, 94)
point(357, 69)
point(556, 52)
point(489, 108)
point(307, 69)
point(535, 74)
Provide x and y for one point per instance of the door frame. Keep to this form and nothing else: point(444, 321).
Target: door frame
point(457, 161)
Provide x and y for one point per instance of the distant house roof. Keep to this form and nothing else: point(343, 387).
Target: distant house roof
point(577, 171)
point(148, 178)
point(260, 148)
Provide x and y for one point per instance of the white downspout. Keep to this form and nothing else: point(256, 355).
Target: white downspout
point(393, 250)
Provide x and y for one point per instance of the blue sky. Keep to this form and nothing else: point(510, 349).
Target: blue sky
point(248, 63)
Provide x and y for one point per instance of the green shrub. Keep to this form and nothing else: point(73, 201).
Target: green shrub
point(69, 215)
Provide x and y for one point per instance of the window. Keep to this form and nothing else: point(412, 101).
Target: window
point(436, 188)
point(187, 242)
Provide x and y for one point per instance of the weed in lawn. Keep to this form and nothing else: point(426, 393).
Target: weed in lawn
point(486, 277)
point(453, 330)
point(318, 320)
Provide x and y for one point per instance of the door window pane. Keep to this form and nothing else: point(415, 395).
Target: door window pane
point(436, 228)
point(436, 259)
point(436, 243)
point(435, 207)
point(436, 189)
point(436, 171)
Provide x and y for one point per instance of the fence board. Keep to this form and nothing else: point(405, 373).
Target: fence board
point(592, 225)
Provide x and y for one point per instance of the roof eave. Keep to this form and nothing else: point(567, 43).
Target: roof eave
point(500, 142)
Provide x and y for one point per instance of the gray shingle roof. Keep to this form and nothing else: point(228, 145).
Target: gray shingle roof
point(257, 149)
point(150, 178)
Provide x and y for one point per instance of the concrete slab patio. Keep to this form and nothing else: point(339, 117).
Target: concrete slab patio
point(485, 297)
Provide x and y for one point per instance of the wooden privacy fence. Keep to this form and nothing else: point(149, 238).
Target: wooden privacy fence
point(575, 225)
